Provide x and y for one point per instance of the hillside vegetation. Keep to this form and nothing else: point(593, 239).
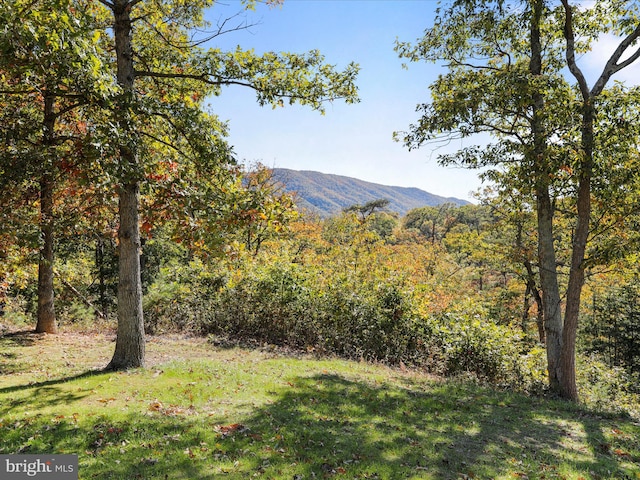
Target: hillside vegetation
point(421, 341)
point(437, 290)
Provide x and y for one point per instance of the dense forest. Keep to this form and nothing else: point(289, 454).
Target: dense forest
point(123, 208)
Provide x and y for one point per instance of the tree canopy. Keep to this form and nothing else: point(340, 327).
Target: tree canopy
point(136, 79)
point(507, 66)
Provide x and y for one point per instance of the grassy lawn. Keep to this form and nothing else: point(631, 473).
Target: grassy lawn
point(201, 412)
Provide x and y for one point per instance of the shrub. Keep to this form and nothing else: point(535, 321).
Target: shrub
point(604, 387)
point(478, 346)
point(350, 301)
point(179, 297)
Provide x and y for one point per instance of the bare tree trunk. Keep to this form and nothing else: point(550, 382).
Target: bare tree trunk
point(46, 313)
point(130, 341)
point(102, 284)
point(551, 303)
point(542, 337)
point(526, 305)
point(568, 388)
point(546, 250)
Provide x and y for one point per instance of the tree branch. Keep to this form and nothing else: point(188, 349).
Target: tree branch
point(165, 143)
point(569, 36)
point(612, 66)
point(221, 30)
point(79, 295)
point(205, 78)
point(107, 4)
point(17, 92)
point(71, 107)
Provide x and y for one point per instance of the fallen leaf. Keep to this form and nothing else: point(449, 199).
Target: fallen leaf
point(225, 430)
point(621, 453)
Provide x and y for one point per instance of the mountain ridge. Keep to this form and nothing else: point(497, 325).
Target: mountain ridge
point(327, 194)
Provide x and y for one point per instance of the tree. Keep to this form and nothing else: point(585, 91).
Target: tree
point(368, 209)
point(516, 242)
point(614, 330)
point(433, 222)
point(628, 24)
point(50, 70)
point(262, 208)
point(170, 76)
point(505, 77)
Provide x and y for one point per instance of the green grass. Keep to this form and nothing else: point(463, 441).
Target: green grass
point(199, 412)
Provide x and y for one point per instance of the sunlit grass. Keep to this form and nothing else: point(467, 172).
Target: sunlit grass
point(203, 413)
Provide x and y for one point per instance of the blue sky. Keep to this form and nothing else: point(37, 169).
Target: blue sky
point(353, 140)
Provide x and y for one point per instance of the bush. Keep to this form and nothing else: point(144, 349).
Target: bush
point(349, 302)
point(287, 304)
point(15, 312)
point(179, 297)
point(491, 352)
point(604, 387)
point(372, 322)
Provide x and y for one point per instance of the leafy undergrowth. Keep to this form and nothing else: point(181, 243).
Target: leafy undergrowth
point(199, 412)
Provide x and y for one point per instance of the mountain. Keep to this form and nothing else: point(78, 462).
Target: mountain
point(327, 194)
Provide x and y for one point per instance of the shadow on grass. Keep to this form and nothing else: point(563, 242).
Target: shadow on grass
point(326, 425)
point(9, 361)
point(22, 338)
point(48, 393)
point(53, 382)
point(323, 426)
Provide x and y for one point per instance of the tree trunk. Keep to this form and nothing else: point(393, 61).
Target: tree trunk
point(46, 313)
point(551, 303)
point(102, 283)
point(568, 387)
point(545, 211)
point(533, 290)
point(526, 305)
point(540, 317)
point(130, 341)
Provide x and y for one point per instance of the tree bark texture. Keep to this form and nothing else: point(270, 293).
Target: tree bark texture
point(551, 301)
point(569, 387)
point(46, 313)
point(552, 313)
point(46, 322)
point(130, 341)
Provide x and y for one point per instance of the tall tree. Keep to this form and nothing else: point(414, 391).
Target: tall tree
point(51, 69)
point(627, 23)
point(505, 77)
point(172, 74)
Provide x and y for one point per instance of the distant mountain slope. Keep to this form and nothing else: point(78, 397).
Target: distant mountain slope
point(327, 194)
